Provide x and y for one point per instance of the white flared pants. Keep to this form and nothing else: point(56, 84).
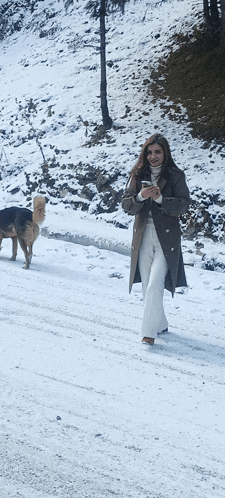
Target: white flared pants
point(153, 269)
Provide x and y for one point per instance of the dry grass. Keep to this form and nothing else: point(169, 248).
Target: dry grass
point(194, 76)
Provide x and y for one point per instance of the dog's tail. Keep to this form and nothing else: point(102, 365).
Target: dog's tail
point(39, 209)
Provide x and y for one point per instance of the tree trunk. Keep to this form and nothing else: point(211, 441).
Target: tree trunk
point(222, 6)
point(206, 10)
point(107, 121)
point(214, 13)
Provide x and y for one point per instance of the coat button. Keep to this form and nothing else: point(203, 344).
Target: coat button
point(167, 230)
point(135, 229)
point(132, 247)
point(172, 249)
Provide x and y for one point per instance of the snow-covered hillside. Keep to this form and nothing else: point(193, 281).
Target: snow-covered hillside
point(50, 88)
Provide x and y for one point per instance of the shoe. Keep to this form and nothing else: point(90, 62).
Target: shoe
point(149, 340)
point(163, 331)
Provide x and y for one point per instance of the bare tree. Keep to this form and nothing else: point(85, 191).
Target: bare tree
point(206, 10)
point(222, 6)
point(214, 10)
point(213, 14)
point(99, 9)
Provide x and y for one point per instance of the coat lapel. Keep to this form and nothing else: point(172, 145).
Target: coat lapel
point(162, 184)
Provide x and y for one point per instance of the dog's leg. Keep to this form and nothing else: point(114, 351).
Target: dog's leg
point(30, 254)
point(14, 248)
point(26, 253)
point(26, 240)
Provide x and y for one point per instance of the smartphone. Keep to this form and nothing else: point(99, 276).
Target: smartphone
point(145, 183)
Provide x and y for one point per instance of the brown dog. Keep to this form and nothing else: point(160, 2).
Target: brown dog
point(21, 224)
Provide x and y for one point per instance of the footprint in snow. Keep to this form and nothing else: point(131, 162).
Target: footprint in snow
point(116, 275)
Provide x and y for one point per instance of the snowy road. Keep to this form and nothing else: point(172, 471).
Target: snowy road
point(89, 411)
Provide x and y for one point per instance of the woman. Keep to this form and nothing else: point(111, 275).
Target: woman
point(156, 258)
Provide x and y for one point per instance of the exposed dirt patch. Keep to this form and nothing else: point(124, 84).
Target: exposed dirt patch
point(194, 77)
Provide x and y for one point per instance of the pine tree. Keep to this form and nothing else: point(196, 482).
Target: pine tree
point(99, 9)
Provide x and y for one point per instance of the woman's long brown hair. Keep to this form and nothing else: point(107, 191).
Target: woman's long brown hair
point(142, 162)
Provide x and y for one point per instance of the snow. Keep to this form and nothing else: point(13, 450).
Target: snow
point(87, 409)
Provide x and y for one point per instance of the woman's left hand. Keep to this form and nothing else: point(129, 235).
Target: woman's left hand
point(153, 191)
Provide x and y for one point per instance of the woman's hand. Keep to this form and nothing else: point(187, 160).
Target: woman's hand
point(153, 192)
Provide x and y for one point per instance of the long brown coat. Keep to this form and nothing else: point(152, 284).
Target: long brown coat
point(175, 202)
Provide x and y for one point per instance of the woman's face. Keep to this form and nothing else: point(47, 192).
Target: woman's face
point(155, 155)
